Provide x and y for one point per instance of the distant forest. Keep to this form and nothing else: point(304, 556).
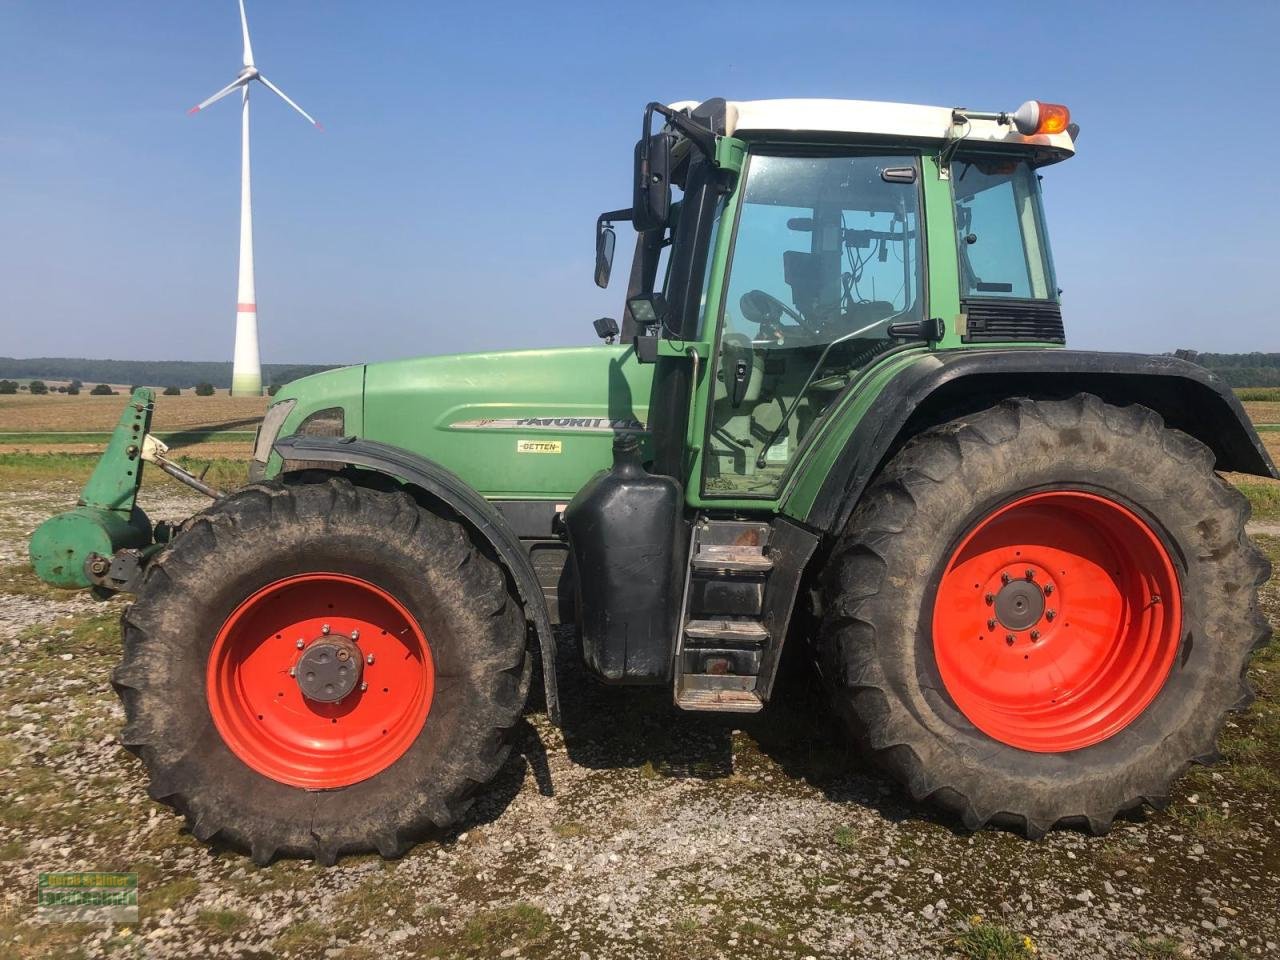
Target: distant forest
point(1237, 369)
point(146, 373)
point(1240, 369)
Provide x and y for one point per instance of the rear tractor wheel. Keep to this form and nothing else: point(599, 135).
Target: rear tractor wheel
point(1042, 614)
point(321, 669)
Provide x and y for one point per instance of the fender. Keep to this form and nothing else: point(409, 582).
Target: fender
point(438, 483)
point(945, 385)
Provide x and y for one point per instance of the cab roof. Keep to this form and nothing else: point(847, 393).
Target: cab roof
point(794, 118)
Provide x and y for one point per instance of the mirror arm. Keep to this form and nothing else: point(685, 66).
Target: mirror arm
point(698, 135)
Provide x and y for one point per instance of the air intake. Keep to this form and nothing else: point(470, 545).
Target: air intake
point(1001, 321)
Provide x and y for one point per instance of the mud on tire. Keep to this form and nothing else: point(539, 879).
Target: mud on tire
point(267, 532)
point(877, 651)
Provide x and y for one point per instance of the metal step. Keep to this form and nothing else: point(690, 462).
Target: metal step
point(732, 631)
point(716, 558)
point(722, 694)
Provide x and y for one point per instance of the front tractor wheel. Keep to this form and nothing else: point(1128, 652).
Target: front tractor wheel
point(321, 669)
point(1042, 613)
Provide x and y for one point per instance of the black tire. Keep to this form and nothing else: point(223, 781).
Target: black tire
point(266, 532)
point(876, 649)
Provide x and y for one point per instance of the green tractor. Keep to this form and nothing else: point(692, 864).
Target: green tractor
point(837, 415)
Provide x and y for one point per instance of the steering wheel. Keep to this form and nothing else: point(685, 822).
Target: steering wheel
point(764, 308)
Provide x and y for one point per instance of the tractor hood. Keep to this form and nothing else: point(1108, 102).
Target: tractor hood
point(524, 424)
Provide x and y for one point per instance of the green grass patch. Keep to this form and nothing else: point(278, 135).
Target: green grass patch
point(305, 938)
point(19, 466)
point(993, 941)
point(1264, 497)
point(520, 925)
point(846, 837)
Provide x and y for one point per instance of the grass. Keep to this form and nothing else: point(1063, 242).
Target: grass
point(21, 466)
point(1263, 496)
point(993, 941)
point(305, 938)
point(846, 837)
point(520, 925)
point(1156, 947)
point(224, 922)
point(1258, 393)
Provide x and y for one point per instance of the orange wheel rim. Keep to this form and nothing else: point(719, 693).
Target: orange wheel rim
point(1057, 621)
point(320, 680)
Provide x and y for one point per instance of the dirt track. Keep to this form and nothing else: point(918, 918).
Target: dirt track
point(633, 832)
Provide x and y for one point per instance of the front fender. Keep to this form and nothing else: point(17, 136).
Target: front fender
point(429, 479)
point(941, 386)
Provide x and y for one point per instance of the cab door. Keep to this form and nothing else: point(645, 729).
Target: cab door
point(826, 254)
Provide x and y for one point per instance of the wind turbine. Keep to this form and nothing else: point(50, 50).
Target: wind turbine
point(246, 371)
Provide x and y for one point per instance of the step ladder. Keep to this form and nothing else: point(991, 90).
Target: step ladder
point(723, 639)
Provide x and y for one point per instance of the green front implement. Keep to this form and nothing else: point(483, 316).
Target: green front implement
point(69, 549)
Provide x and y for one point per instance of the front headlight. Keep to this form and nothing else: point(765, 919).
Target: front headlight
point(275, 417)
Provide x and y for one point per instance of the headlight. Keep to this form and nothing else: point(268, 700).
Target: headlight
point(275, 417)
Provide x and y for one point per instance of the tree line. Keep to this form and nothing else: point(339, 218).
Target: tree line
point(179, 373)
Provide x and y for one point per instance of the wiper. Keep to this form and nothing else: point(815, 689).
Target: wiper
point(786, 417)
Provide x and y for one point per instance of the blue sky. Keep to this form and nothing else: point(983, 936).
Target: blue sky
point(468, 148)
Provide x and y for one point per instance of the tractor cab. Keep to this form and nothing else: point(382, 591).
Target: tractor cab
point(816, 244)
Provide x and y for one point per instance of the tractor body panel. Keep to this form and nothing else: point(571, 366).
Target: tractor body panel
point(529, 424)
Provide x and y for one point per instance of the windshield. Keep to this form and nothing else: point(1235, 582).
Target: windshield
point(826, 255)
point(1000, 229)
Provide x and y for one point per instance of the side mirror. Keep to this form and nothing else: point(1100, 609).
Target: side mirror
point(606, 239)
point(652, 194)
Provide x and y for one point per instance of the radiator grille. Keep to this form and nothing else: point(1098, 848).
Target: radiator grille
point(992, 321)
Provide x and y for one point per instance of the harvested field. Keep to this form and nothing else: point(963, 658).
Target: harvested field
point(1267, 411)
point(57, 412)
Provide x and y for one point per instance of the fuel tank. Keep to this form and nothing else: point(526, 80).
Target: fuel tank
point(626, 537)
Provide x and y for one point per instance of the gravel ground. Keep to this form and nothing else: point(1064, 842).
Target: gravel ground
point(634, 831)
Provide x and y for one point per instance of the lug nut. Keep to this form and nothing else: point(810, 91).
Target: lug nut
point(363, 686)
point(1035, 634)
point(355, 634)
point(991, 624)
point(1050, 614)
point(301, 643)
point(1048, 589)
point(1155, 598)
point(1031, 574)
point(1005, 578)
point(990, 598)
point(325, 629)
point(1008, 638)
point(293, 671)
point(369, 659)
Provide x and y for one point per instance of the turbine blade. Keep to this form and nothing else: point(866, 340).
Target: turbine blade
point(244, 29)
point(283, 96)
point(229, 88)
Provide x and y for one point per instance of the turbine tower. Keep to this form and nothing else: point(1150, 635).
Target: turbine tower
point(246, 371)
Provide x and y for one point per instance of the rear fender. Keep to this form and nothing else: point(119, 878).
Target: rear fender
point(942, 386)
point(426, 479)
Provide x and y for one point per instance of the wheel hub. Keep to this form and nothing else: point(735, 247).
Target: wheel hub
point(1019, 604)
point(329, 668)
